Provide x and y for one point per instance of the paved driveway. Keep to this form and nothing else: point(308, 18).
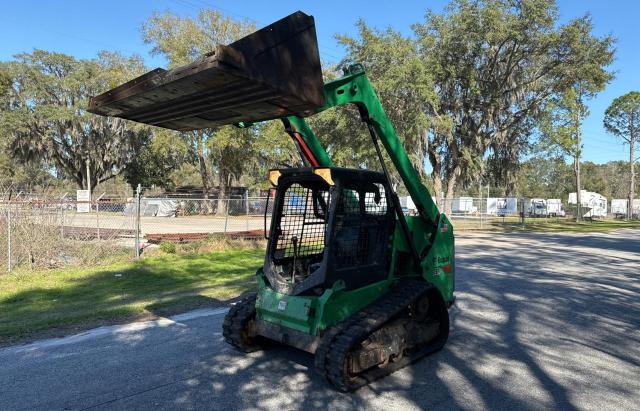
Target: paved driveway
point(542, 321)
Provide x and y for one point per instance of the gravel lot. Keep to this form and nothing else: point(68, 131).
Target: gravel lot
point(542, 321)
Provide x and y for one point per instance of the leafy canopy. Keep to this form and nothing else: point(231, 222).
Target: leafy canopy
point(622, 117)
point(45, 118)
point(496, 63)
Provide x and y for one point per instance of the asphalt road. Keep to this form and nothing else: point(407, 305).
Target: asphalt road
point(543, 321)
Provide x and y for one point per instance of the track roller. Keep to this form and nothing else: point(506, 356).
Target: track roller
point(409, 322)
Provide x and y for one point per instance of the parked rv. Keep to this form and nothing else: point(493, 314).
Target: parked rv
point(594, 205)
point(408, 206)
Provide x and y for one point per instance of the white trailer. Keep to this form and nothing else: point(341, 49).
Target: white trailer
point(463, 205)
point(536, 207)
point(594, 205)
point(502, 206)
point(619, 207)
point(408, 206)
point(555, 208)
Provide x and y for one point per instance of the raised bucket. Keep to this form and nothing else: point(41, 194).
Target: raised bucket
point(272, 73)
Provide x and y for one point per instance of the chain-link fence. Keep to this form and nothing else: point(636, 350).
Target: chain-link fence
point(45, 231)
point(472, 213)
point(189, 216)
point(501, 212)
point(39, 233)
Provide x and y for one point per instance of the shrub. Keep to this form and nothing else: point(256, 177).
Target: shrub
point(168, 247)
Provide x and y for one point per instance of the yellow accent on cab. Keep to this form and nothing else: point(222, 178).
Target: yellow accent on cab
point(325, 173)
point(274, 176)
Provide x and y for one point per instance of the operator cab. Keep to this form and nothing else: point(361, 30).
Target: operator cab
point(328, 224)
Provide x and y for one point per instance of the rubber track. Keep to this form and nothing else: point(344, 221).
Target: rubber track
point(236, 320)
point(331, 355)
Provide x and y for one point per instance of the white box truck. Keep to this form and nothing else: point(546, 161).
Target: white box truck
point(619, 207)
point(502, 206)
point(463, 205)
point(555, 208)
point(536, 207)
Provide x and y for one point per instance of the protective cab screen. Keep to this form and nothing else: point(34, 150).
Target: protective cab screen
point(302, 226)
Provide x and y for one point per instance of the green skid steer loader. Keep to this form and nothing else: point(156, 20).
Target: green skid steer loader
point(346, 275)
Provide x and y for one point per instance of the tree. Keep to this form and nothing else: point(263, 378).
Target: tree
point(561, 126)
point(594, 179)
point(544, 176)
point(26, 176)
point(45, 115)
point(183, 40)
point(231, 152)
point(402, 83)
point(157, 160)
point(272, 148)
point(495, 64)
point(622, 119)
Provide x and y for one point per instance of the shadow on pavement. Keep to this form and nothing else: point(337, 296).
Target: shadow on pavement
point(542, 321)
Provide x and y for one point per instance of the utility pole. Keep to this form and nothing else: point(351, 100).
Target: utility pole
point(632, 185)
point(88, 175)
point(576, 168)
point(137, 222)
point(480, 190)
point(9, 236)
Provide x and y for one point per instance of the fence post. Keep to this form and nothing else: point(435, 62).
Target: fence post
point(98, 213)
point(246, 203)
point(137, 222)
point(481, 220)
point(98, 217)
point(9, 236)
point(62, 207)
point(226, 216)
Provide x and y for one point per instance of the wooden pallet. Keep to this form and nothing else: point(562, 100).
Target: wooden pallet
point(157, 238)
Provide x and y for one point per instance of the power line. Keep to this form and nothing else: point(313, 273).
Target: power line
point(56, 32)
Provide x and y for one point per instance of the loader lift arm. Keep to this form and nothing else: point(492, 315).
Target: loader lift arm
point(355, 88)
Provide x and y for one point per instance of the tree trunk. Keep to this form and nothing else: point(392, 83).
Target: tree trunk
point(204, 174)
point(223, 201)
point(576, 170)
point(632, 183)
point(437, 183)
point(437, 190)
point(452, 181)
point(436, 172)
